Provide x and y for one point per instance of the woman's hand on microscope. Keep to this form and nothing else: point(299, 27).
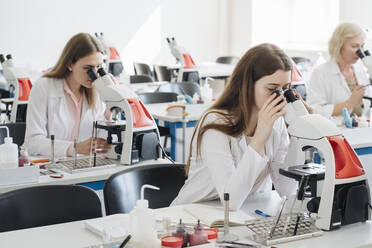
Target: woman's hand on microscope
point(307, 106)
point(99, 144)
point(113, 78)
point(356, 96)
point(271, 110)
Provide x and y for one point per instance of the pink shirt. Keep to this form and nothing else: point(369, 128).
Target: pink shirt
point(75, 107)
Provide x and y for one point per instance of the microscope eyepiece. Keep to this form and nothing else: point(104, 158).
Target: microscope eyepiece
point(2, 59)
point(9, 56)
point(92, 74)
point(101, 72)
point(360, 53)
point(367, 53)
point(277, 93)
point(290, 95)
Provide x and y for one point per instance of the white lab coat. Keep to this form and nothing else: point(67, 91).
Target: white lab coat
point(229, 165)
point(327, 87)
point(47, 113)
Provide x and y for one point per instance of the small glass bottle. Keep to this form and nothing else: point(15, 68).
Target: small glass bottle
point(181, 232)
point(24, 159)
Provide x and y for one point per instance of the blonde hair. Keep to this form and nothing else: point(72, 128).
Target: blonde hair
point(235, 105)
point(342, 33)
point(79, 46)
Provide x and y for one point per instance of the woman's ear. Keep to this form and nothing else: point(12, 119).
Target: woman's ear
point(69, 67)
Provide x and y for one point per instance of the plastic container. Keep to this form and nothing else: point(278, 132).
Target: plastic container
point(8, 153)
point(142, 223)
point(24, 159)
point(171, 241)
point(212, 233)
point(199, 236)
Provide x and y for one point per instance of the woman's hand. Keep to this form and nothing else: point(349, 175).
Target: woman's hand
point(100, 145)
point(356, 96)
point(267, 115)
point(307, 106)
point(113, 78)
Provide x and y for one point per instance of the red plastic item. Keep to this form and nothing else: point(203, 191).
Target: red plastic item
point(296, 75)
point(114, 55)
point(141, 117)
point(171, 241)
point(25, 86)
point(347, 163)
point(189, 63)
point(212, 233)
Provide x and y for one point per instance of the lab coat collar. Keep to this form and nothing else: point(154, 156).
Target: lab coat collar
point(58, 89)
point(334, 67)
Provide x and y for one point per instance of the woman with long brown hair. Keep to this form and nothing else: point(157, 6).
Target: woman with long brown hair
point(64, 102)
point(242, 140)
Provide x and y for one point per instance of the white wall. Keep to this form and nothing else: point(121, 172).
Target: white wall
point(358, 12)
point(241, 26)
point(36, 31)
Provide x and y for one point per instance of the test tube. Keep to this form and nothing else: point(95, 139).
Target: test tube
point(52, 159)
point(75, 152)
point(227, 236)
point(91, 147)
point(226, 228)
point(95, 144)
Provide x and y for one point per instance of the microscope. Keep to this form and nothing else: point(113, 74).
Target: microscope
point(366, 58)
point(138, 136)
point(338, 187)
point(19, 86)
point(188, 71)
point(113, 62)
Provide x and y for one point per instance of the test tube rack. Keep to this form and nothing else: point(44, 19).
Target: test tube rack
point(285, 229)
point(83, 164)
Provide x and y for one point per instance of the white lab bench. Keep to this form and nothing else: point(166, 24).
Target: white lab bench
point(361, 140)
point(74, 234)
point(174, 123)
point(94, 179)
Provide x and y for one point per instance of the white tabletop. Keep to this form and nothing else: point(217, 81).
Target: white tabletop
point(159, 111)
point(146, 87)
point(74, 234)
point(213, 69)
point(358, 137)
point(80, 177)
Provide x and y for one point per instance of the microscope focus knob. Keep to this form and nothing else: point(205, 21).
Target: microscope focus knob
point(313, 205)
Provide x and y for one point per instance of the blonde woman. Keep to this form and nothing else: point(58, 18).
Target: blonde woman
point(65, 103)
point(340, 82)
point(240, 143)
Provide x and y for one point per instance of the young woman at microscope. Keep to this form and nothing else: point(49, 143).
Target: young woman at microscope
point(64, 102)
point(340, 82)
point(240, 143)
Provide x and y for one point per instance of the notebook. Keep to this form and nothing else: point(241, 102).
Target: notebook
point(213, 216)
point(112, 227)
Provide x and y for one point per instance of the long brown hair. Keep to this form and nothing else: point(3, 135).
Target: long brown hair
point(236, 103)
point(79, 46)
